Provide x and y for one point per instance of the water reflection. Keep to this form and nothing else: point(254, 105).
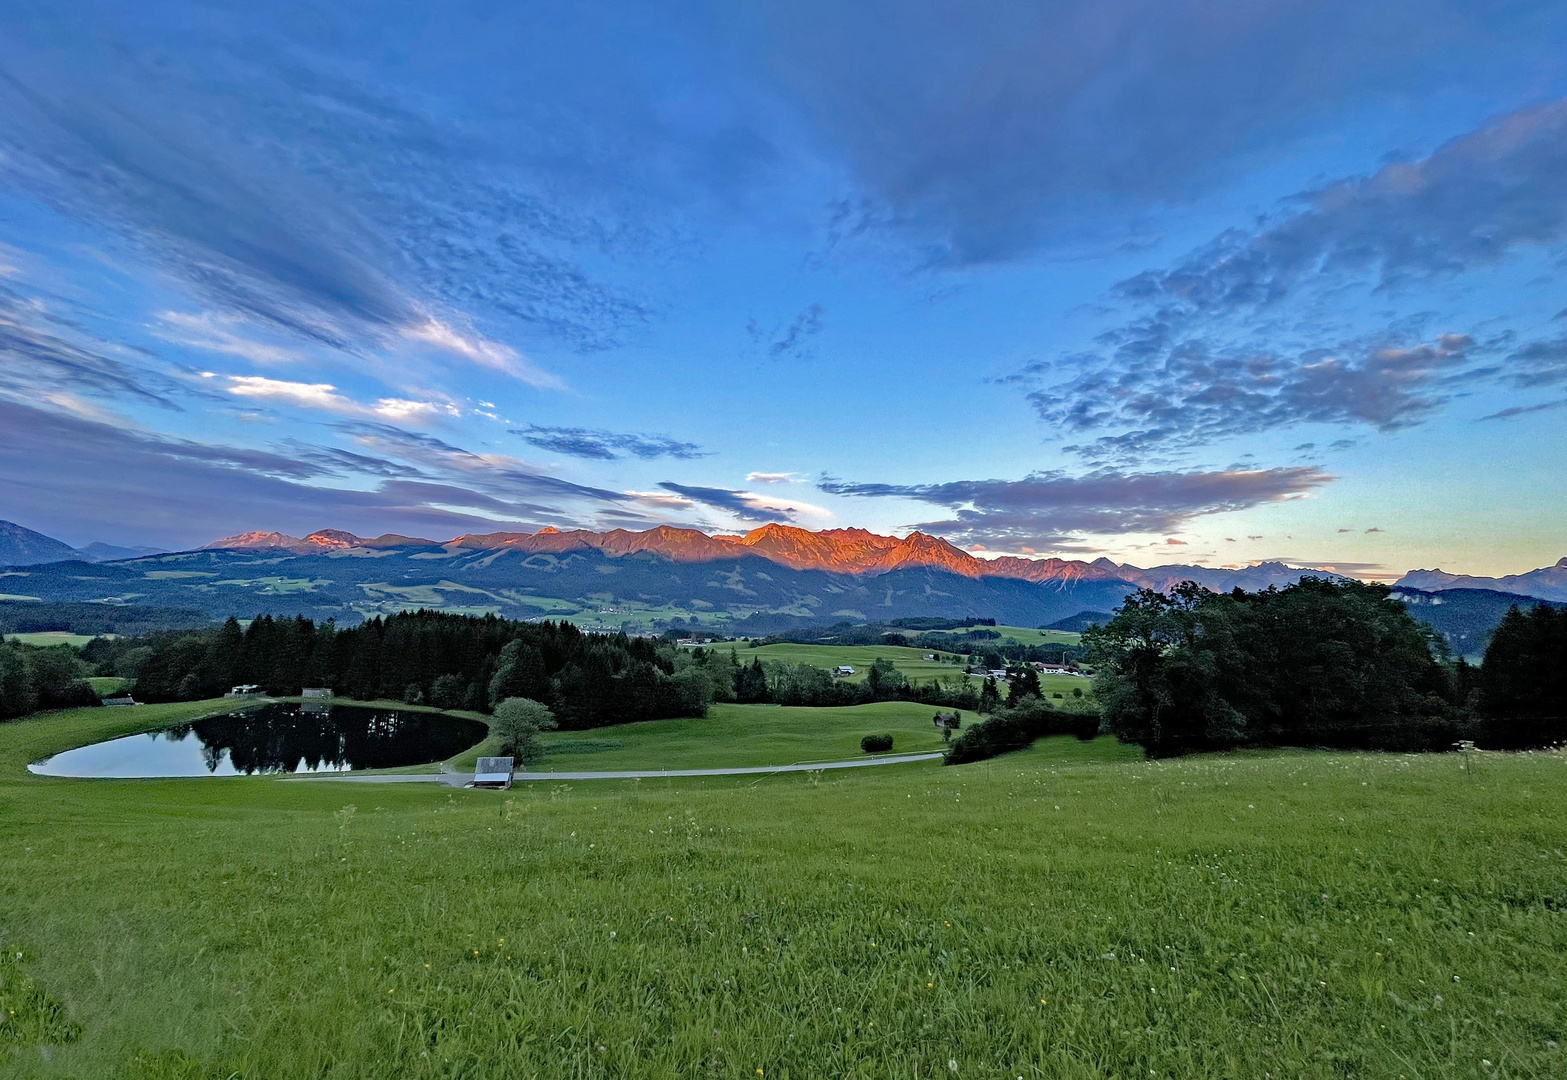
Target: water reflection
point(275, 738)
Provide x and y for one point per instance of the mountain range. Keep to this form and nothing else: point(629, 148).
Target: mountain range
point(773, 577)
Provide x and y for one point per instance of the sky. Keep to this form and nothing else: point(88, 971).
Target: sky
point(1197, 282)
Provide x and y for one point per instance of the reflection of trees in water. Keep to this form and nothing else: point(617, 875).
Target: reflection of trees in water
point(282, 738)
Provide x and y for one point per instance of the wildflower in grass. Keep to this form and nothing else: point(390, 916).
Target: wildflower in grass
point(952, 1064)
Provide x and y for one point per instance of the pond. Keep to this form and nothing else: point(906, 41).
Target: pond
point(275, 738)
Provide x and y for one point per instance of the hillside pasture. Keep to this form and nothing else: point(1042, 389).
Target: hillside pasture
point(1047, 914)
point(910, 661)
point(1025, 635)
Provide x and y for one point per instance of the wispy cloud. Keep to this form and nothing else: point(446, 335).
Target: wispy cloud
point(978, 138)
point(792, 340)
point(1471, 203)
point(1189, 395)
point(1526, 410)
point(216, 333)
point(180, 492)
point(1539, 363)
point(322, 207)
point(324, 396)
point(770, 478)
point(1044, 510)
point(598, 445)
point(44, 354)
point(1201, 354)
point(482, 351)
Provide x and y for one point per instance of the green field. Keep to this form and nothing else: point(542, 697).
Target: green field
point(739, 735)
point(1046, 914)
point(51, 637)
point(104, 685)
point(910, 661)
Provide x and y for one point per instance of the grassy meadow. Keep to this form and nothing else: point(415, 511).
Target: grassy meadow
point(1027, 635)
point(1054, 913)
point(46, 638)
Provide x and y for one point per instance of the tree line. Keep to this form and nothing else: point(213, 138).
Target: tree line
point(424, 657)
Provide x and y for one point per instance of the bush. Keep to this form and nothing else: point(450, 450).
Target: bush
point(448, 692)
point(76, 695)
point(1017, 727)
point(517, 724)
point(876, 744)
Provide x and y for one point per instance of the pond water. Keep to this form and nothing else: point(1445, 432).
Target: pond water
point(276, 738)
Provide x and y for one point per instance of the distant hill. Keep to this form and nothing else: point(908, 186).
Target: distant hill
point(1546, 583)
point(1081, 621)
point(98, 551)
point(24, 547)
point(1464, 618)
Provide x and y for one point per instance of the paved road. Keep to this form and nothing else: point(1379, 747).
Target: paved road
point(455, 779)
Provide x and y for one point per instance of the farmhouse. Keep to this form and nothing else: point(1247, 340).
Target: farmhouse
point(843, 669)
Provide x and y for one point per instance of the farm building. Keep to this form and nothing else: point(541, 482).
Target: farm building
point(843, 669)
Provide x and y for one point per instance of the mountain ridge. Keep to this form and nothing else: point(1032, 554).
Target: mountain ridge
point(840, 551)
point(1545, 583)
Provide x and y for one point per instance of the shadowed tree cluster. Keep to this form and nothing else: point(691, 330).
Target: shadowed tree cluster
point(1522, 684)
point(1318, 663)
point(33, 678)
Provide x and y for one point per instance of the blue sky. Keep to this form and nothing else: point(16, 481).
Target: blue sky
point(1209, 282)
